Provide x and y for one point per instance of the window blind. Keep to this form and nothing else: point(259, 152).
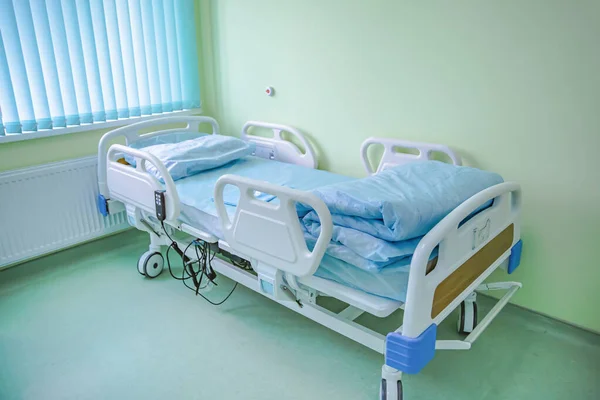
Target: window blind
point(72, 62)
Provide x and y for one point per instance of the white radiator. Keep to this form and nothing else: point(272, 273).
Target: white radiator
point(50, 207)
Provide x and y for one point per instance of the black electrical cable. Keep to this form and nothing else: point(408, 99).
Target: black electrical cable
point(172, 245)
point(204, 250)
point(203, 272)
point(162, 224)
point(169, 264)
point(171, 270)
point(245, 265)
point(187, 263)
point(210, 301)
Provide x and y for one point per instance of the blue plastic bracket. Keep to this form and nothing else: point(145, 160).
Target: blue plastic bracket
point(410, 355)
point(514, 260)
point(103, 205)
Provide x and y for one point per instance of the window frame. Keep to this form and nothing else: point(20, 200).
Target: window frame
point(117, 123)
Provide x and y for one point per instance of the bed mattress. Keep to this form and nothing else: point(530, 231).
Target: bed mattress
point(198, 210)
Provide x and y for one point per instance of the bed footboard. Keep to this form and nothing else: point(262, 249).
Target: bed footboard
point(469, 250)
point(466, 251)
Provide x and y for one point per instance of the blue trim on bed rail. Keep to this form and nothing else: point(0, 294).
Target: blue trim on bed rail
point(102, 205)
point(515, 257)
point(410, 355)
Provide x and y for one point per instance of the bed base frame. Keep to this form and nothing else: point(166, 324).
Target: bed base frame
point(468, 252)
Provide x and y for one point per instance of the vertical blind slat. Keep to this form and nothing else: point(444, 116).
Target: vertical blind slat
point(173, 56)
point(90, 57)
point(163, 59)
point(79, 75)
point(63, 61)
point(33, 66)
point(151, 56)
point(188, 53)
point(139, 50)
point(66, 62)
point(116, 59)
point(8, 105)
point(18, 73)
point(133, 99)
point(48, 62)
point(103, 54)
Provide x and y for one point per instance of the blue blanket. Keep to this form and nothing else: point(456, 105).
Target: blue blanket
point(379, 220)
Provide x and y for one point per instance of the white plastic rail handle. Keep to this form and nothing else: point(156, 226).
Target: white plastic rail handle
point(391, 157)
point(193, 125)
point(285, 150)
point(271, 233)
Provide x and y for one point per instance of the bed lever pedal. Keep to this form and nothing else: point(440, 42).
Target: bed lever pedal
point(149, 227)
point(287, 292)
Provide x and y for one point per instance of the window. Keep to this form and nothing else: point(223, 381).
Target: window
point(71, 62)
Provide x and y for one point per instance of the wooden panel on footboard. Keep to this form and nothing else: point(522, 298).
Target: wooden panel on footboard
point(467, 273)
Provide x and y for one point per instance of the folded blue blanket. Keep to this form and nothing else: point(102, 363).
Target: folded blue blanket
point(361, 249)
point(380, 219)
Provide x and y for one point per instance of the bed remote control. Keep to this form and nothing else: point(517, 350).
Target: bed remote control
point(159, 202)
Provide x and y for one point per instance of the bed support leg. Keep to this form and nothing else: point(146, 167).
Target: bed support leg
point(391, 384)
point(155, 242)
point(134, 216)
point(405, 354)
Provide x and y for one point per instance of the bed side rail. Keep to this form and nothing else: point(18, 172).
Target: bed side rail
point(134, 132)
point(391, 157)
point(277, 148)
point(468, 252)
point(269, 233)
point(135, 186)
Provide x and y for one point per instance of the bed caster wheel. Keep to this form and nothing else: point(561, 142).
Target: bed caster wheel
point(151, 264)
point(467, 318)
point(383, 390)
point(391, 384)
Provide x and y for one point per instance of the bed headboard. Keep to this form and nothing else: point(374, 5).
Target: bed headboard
point(277, 148)
point(392, 157)
point(133, 132)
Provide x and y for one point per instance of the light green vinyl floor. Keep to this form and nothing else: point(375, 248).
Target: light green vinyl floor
point(83, 324)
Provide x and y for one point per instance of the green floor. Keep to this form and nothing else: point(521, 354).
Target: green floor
point(83, 324)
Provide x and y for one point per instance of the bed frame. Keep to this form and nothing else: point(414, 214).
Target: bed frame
point(468, 250)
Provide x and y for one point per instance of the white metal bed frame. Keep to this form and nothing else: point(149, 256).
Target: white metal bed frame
point(285, 266)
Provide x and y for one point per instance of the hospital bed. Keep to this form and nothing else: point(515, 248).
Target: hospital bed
point(469, 246)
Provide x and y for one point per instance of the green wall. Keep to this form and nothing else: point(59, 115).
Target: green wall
point(513, 85)
point(41, 151)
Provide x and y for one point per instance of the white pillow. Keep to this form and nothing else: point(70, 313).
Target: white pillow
point(193, 156)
